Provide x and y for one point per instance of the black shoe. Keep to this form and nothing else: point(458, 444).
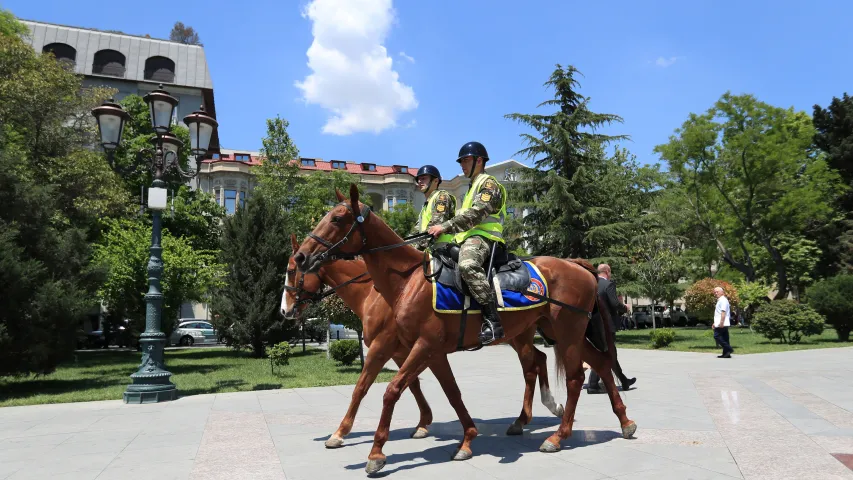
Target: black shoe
point(492, 329)
point(594, 389)
point(627, 382)
point(725, 355)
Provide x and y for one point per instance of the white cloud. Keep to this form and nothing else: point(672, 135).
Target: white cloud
point(353, 76)
point(665, 62)
point(407, 57)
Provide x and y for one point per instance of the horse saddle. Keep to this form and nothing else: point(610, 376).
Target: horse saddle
point(508, 269)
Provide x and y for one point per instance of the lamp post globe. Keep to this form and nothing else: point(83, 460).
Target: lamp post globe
point(111, 119)
point(171, 143)
point(201, 126)
point(161, 106)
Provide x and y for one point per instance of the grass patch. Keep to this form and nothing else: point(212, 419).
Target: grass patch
point(104, 375)
point(744, 341)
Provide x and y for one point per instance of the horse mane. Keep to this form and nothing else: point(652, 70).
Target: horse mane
point(585, 264)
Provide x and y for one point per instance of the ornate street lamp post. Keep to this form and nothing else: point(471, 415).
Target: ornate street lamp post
point(151, 380)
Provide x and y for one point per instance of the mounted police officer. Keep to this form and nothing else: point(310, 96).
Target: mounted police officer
point(477, 225)
point(439, 205)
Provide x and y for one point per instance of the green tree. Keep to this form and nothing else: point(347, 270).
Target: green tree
point(256, 247)
point(196, 218)
point(833, 298)
point(10, 26)
point(788, 321)
point(752, 296)
point(579, 201)
point(338, 313)
point(188, 273)
point(834, 137)
point(55, 195)
point(748, 173)
point(401, 218)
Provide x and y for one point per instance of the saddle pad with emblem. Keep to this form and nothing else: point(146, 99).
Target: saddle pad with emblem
point(446, 299)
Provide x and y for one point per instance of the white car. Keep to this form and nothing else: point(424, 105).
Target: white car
point(191, 332)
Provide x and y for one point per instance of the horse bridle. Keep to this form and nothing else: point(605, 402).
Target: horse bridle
point(329, 253)
point(314, 297)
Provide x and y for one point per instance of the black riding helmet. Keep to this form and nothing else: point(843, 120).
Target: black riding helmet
point(473, 149)
point(429, 170)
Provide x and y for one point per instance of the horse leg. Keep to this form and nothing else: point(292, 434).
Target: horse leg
point(570, 340)
point(441, 369)
point(426, 412)
point(544, 386)
point(528, 355)
point(417, 361)
point(603, 364)
point(377, 356)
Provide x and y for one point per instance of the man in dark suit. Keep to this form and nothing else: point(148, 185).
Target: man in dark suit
point(607, 290)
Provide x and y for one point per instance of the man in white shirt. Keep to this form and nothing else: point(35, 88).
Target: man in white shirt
point(721, 322)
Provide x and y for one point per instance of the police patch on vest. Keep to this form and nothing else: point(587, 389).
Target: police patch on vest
point(535, 287)
point(485, 196)
point(440, 207)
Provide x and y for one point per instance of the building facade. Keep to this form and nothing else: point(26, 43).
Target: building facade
point(228, 176)
point(131, 64)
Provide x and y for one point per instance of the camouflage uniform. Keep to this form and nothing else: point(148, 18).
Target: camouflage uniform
point(475, 250)
point(443, 208)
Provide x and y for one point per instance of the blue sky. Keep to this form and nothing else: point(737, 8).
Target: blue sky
point(473, 61)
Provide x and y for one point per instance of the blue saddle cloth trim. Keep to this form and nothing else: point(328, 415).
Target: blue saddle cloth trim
point(449, 300)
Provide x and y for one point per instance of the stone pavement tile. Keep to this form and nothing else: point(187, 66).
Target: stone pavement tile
point(614, 460)
point(502, 459)
point(233, 403)
point(85, 474)
point(831, 412)
point(41, 441)
point(62, 424)
point(836, 432)
point(244, 471)
point(691, 438)
point(52, 465)
point(318, 396)
point(16, 429)
point(681, 472)
point(165, 454)
point(715, 459)
point(834, 444)
point(845, 459)
point(275, 400)
point(762, 441)
point(176, 470)
point(144, 440)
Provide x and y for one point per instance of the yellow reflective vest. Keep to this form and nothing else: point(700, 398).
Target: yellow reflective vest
point(426, 216)
point(492, 226)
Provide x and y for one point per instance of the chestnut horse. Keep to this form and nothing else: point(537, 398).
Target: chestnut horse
point(396, 275)
point(348, 280)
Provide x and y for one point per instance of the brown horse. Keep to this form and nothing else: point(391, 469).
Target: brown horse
point(427, 334)
point(347, 279)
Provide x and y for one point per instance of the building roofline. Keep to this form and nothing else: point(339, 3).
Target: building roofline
point(75, 27)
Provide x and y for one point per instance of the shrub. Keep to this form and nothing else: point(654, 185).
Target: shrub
point(662, 337)
point(833, 298)
point(345, 351)
point(788, 321)
point(699, 299)
point(279, 355)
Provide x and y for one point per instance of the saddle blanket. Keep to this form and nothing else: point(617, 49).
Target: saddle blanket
point(449, 300)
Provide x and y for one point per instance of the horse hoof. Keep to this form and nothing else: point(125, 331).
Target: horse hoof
point(515, 429)
point(628, 430)
point(373, 466)
point(334, 442)
point(421, 432)
point(462, 455)
point(560, 411)
point(548, 447)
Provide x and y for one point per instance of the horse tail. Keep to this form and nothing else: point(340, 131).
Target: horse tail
point(559, 366)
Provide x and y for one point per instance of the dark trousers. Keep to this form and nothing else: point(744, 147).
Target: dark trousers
point(721, 335)
point(594, 379)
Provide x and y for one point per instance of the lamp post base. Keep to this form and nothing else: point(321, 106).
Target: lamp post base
point(150, 393)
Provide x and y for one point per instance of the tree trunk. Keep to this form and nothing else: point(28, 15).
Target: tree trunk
point(303, 336)
point(258, 349)
point(781, 270)
point(360, 350)
point(653, 314)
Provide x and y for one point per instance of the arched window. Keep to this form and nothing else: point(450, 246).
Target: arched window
point(108, 62)
point(63, 52)
point(160, 69)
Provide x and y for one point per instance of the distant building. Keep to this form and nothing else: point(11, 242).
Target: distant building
point(228, 176)
point(131, 64)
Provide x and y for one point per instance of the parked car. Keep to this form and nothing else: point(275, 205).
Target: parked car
point(193, 331)
point(677, 318)
point(339, 332)
point(642, 317)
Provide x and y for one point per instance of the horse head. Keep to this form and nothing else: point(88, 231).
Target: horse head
point(340, 232)
point(299, 288)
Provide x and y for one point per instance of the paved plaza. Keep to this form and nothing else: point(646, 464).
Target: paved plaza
point(764, 416)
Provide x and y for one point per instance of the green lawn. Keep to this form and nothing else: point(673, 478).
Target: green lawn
point(103, 375)
point(701, 339)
